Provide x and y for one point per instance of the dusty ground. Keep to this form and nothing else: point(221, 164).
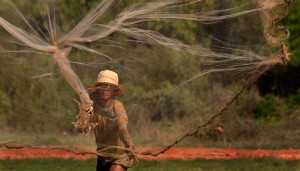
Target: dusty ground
point(174, 153)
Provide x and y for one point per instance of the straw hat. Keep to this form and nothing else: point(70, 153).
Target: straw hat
point(107, 77)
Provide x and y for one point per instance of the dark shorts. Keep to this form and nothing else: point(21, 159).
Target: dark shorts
point(103, 166)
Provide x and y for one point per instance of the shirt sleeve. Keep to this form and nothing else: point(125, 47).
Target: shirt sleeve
point(122, 124)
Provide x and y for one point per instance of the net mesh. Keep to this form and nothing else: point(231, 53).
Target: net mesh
point(182, 62)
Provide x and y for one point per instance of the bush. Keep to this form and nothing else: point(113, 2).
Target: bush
point(5, 107)
point(268, 107)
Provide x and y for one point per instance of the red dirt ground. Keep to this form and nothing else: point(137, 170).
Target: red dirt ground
point(174, 153)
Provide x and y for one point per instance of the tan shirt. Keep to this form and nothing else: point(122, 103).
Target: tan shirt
point(112, 132)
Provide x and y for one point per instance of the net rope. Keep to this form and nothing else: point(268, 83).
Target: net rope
point(240, 60)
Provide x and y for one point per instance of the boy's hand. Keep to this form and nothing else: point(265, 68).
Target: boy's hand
point(131, 149)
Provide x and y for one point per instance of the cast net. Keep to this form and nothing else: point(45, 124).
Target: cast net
point(182, 63)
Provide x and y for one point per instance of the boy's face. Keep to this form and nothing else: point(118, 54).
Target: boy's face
point(105, 91)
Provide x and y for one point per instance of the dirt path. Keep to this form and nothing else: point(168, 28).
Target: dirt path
point(174, 153)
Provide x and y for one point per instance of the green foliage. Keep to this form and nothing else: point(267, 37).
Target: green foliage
point(292, 22)
point(5, 107)
point(71, 17)
point(183, 30)
point(294, 100)
point(176, 104)
point(271, 107)
point(31, 104)
point(268, 107)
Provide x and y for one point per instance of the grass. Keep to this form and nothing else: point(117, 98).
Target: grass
point(48, 139)
point(220, 165)
point(259, 164)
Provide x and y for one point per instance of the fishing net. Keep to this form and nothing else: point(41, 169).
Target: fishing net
point(182, 63)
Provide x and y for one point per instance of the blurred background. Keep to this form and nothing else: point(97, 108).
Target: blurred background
point(37, 107)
